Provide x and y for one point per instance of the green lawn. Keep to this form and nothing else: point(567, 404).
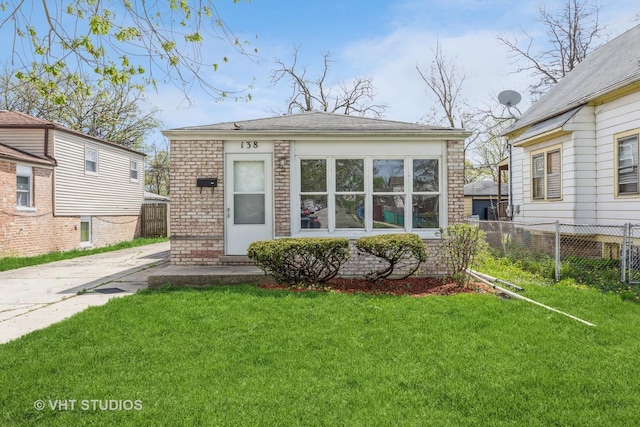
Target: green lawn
point(247, 356)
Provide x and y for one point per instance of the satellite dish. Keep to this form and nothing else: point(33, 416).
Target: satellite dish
point(509, 98)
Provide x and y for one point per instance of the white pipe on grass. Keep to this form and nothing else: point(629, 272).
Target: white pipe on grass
point(515, 295)
point(494, 279)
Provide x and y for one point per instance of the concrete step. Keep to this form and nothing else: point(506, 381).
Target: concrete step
point(235, 260)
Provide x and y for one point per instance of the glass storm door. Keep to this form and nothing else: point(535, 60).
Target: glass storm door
point(249, 201)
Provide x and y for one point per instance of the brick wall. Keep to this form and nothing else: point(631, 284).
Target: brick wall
point(107, 230)
point(196, 217)
point(359, 262)
point(282, 187)
point(26, 232)
point(455, 181)
point(35, 232)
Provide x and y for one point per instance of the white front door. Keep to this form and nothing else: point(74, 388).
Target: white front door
point(249, 201)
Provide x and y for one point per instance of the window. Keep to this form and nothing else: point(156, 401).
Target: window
point(133, 170)
point(24, 186)
point(553, 175)
point(426, 199)
point(546, 180)
point(343, 194)
point(90, 160)
point(313, 193)
point(85, 231)
point(538, 176)
point(389, 195)
point(349, 194)
point(627, 165)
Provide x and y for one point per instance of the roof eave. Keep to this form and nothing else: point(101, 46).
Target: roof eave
point(313, 135)
point(545, 136)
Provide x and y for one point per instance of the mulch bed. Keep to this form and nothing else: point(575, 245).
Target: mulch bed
point(412, 286)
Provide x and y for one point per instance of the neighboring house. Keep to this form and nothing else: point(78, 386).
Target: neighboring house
point(481, 200)
point(575, 151)
point(153, 198)
point(61, 189)
point(309, 174)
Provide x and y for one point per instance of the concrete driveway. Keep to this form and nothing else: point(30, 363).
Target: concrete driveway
point(32, 298)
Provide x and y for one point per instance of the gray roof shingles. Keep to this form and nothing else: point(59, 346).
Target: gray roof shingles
point(317, 121)
point(484, 188)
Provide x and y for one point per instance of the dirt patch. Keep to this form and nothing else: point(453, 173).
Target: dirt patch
point(413, 286)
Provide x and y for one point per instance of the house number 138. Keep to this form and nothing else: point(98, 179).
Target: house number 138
point(249, 144)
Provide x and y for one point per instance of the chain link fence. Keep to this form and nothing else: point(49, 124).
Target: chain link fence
point(603, 255)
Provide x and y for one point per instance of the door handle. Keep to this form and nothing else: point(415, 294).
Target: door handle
point(228, 212)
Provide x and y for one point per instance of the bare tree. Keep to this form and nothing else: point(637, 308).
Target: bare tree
point(490, 148)
point(571, 33)
point(445, 82)
point(485, 148)
point(315, 94)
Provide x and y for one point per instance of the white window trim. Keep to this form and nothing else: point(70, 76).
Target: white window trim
point(25, 171)
point(408, 193)
point(545, 155)
point(88, 243)
point(88, 149)
point(617, 137)
point(137, 169)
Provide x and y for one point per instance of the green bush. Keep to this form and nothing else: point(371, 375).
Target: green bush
point(304, 260)
point(397, 251)
point(460, 243)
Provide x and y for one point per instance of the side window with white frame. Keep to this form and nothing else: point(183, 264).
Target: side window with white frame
point(134, 170)
point(546, 174)
point(626, 171)
point(90, 160)
point(85, 231)
point(24, 186)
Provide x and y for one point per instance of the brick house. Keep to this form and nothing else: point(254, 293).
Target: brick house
point(61, 189)
point(309, 174)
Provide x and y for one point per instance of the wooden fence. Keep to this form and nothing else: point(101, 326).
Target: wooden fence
point(155, 220)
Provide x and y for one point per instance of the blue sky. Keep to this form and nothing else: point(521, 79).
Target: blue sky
point(381, 39)
point(384, 40)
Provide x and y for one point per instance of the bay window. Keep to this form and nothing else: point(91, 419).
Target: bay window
point(343, 194)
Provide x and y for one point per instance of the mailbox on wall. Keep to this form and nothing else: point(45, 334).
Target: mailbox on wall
point(206, 182)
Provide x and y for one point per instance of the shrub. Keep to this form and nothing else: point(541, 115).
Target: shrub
point(460, 243)
point(406, 251)
point(304, 260)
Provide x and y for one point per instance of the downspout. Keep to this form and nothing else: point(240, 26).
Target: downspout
point(53, 172)
point(511, 209)
point(46, 144)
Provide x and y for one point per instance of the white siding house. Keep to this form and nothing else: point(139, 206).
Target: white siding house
point(109, 190)
point(62, 189)
point(575, 151)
